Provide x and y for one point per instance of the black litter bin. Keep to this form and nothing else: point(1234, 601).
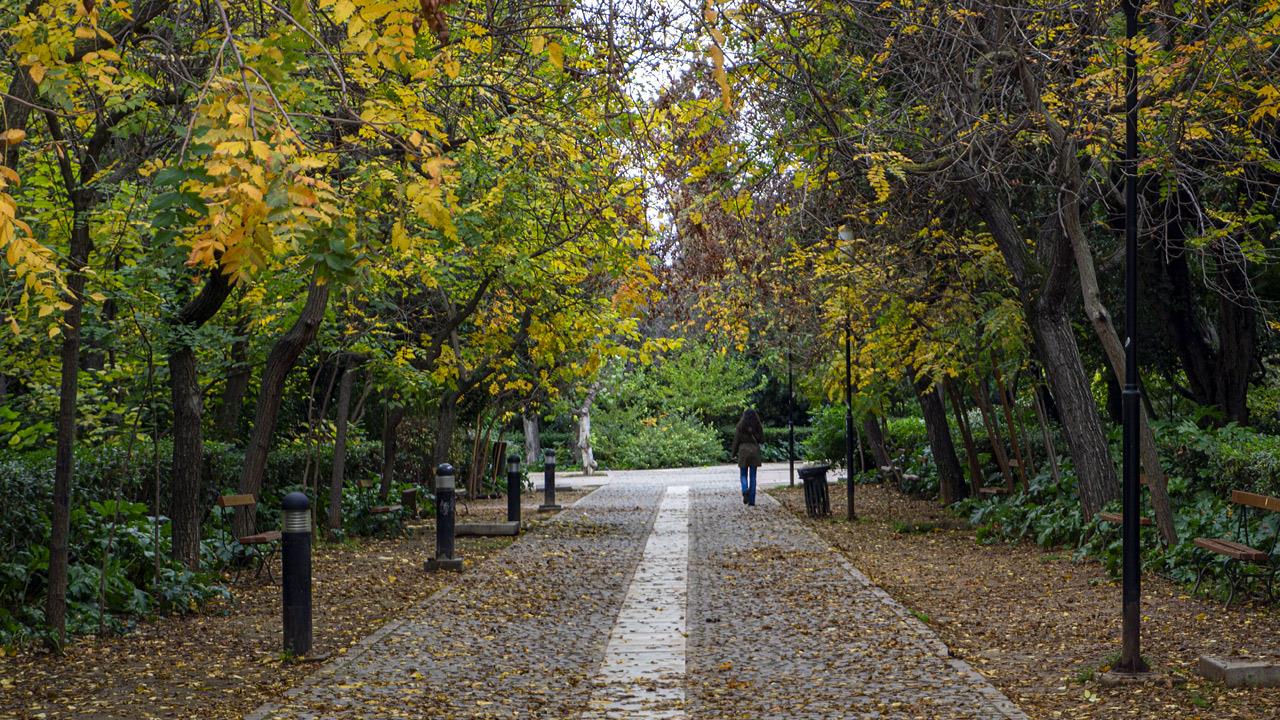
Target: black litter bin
point(816, 501)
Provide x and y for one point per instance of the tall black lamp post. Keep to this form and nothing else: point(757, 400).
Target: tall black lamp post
point(1130, 653)
point(846, 235)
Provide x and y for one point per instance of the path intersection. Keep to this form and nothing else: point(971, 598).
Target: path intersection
point(660, 595)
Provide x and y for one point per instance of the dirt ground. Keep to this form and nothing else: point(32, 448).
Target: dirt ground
point(226, 660)
point(1041, 627)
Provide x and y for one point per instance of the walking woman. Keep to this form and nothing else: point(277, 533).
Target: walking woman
point(746, 448)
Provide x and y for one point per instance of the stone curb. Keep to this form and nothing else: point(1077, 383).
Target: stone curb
point(1000, 702)
point(354, 653)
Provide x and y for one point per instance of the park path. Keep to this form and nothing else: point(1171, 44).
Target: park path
point(657, 596)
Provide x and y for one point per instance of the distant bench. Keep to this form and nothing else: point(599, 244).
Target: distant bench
point(261, 546)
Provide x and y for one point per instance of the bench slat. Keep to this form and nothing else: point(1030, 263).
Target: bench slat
point(1232, 549)
point(261, 538)
point(226, 501)
point(1116, 518)
point(383, 509)
point(992, 490)
point(1264, 502)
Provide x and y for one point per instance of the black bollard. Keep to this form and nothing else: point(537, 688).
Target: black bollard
point(549, 483)
point(444, 559)
point(295, 571)
point(513, 489)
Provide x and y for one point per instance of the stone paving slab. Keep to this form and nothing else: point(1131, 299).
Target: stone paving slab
point(646, 602)
point(520, 636)
point(782, 626)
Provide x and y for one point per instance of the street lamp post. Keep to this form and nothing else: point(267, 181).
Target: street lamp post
point(791, 418)
point(846, 235)
point(1130, 653)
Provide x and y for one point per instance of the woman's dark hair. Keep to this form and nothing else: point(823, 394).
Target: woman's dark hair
point(750, 424)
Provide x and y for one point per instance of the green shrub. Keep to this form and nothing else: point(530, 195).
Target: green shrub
point(670, 441)
point(825, 440)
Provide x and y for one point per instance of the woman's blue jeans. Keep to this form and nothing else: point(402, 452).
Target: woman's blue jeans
point(748, 478)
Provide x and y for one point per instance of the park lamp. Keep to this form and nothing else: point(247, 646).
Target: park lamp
point(297, 515)
point(549, 457)
point(513, 464)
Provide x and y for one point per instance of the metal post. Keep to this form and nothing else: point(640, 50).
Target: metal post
point(848, 417)
point(1130, 653)
point(549, 483)
point(295, 573)
point(445, 507)
point(791, 420)
point(513, 489)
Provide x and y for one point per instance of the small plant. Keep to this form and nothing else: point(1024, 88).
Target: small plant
point(922, 617)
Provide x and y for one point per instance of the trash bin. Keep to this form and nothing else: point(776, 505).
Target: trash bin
point(816, 501)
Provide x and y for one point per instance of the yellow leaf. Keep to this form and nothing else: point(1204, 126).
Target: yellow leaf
point(537, 44)
point(556, 54)
point(452, 68)
point(37, 72)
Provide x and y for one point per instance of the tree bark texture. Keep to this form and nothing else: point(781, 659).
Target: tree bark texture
point(338, 474)
point(532, 440)
point(993, 433)
point(970, 449)
point(237, 383)
point(64, 463)
point(583, 444)
point(394, 415)
point(187, 485)
point(951, 487)
point(280, 361)
point(446, 420)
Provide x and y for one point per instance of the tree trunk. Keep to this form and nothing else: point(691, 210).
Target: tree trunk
point(446, 419)
point(970, 449)
point(532, 440)
point(390, 444)
point(951, 487)
point(340, 447)
point(187, 484)
point(1080, 422)
point(1008, 421)
point(237, 383)
point(1046, 435)
point(993, 433)
point(583, 444)
point(64, 464)
point(280, 361)
point(875, 438)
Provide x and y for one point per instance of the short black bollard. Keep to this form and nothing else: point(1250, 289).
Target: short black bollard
point(513, 489)
point(816, 501)
point(549, 483)
point(295, 572)
point(444, 559)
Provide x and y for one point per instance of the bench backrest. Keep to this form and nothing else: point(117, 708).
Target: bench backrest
point(1263, 502)
point(226, 501)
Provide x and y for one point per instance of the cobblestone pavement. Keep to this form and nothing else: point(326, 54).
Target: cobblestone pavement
point(663, 600)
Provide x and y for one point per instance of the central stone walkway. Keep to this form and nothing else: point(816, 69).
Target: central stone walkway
point(659, 595)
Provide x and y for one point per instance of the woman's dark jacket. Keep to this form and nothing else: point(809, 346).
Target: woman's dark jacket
point(746, 446)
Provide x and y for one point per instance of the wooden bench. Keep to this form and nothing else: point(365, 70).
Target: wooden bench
point(1241, 560)
point(993, 490)
point(1116, 518)
point(261, 545)
point(369, 484)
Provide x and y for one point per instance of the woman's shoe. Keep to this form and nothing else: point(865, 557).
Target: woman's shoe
point(744, 498)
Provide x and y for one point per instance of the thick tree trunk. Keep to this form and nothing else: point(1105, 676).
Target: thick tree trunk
point(875, 438)
point(390, 444)
point(951, 487)
point(1080, 422)
point(970, 449)
point(446, 419)
point(338, 474)
point(284, 354)
point(237, 383)
point(532, 440)
point(64, 464)
point(186, 486)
